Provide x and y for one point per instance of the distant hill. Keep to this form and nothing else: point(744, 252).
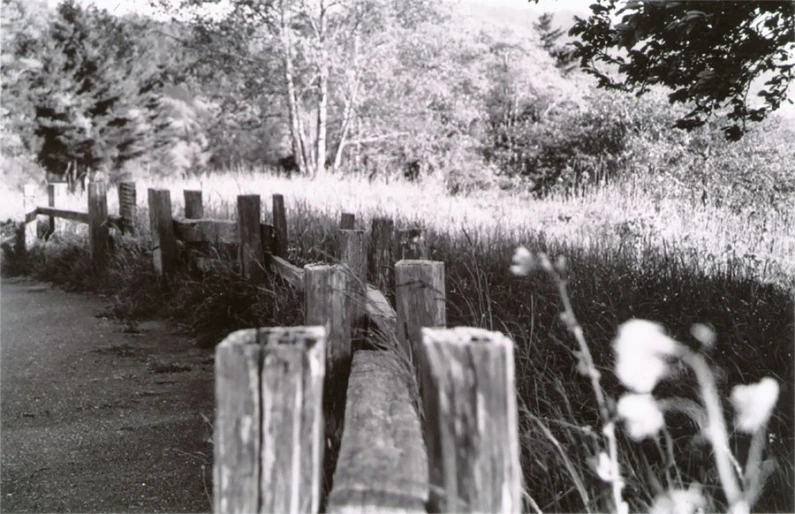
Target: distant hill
point(521, 14)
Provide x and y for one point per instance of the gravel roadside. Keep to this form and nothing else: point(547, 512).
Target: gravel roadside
point(96, 417)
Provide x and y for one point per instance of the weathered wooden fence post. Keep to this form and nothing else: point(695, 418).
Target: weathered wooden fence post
point(420, 302)
point(347, 221)
point(325, 292)
point(248, 230)
point(266, 235)
point(29, 206)
point(127, 206)
point(164, 241)
point(382, 255)
point(268, 441)
point(353, 254)
point(412, 244)
point(197, 251)
point(194, 206)
point(99, 235)
point(325, 297)
point(56, 194)
point(471, 424)
point(279, 227)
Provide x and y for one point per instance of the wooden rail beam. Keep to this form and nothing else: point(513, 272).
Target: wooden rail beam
point(377, 307)
point(382, 465)
point(206, 230)
point(80, 217)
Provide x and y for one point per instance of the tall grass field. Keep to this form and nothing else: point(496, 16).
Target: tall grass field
point(632, 251)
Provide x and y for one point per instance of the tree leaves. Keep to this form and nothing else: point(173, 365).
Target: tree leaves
point(88, 90)
point(711, 54)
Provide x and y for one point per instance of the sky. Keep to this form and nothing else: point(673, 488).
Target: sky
point(125, 6)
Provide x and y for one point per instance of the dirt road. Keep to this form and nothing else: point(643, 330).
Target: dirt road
point(96, 419)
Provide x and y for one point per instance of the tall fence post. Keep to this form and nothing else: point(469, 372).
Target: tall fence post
point(127, 206)
point(197, 252)
point(99, 235)
point(164, 241)
point(268, 441)
point(325, 304)
point(353, 254)
point(420, 301)
point(325, 297)
point(56, 194)
point(29, 206)
point(279, 227)
point(471, 424)
point(347, 221)
point(248, 230)
point(412, 244)
point(381, 255)
point(194, 206)
point(266, 235)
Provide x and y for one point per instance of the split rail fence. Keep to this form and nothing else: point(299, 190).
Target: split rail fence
point(429, 413)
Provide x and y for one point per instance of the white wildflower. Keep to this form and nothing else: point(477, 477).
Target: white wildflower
point(704, 334)
point(641, 414)
point(604, 468)
point(545, 263)
point(641, 349)
point(753, 404)
point(680, 501)
point(523, 262)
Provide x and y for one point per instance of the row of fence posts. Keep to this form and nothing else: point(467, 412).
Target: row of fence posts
point(270, 439)
point(277, 375)
point(96, 217)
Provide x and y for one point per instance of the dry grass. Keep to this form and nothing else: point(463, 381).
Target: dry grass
point(633, 251)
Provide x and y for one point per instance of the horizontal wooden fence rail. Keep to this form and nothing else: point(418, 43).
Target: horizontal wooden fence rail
point(96, 217)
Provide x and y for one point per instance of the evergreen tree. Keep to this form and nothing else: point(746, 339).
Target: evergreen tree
point(564, 57)
point(95, 94)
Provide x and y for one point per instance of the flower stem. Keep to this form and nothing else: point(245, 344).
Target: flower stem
point(574, 327)
point(716, 428)
point(753, 474)
point(593, 374)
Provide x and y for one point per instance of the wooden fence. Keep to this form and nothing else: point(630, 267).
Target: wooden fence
point(96, 216)
point(430, 417)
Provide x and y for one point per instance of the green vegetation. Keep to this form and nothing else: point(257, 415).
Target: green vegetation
point(684, 46)
point(615, 274)
point(512, 148)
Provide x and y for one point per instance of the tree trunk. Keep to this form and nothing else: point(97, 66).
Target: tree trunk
point(322, 104)
point(350, 104)
point(296, 130)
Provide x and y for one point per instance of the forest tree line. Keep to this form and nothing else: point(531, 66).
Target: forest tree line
point(374, 87)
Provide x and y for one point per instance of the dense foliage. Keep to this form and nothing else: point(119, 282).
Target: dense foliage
point(712, 55)
point(374, 88)
point(88, 97)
